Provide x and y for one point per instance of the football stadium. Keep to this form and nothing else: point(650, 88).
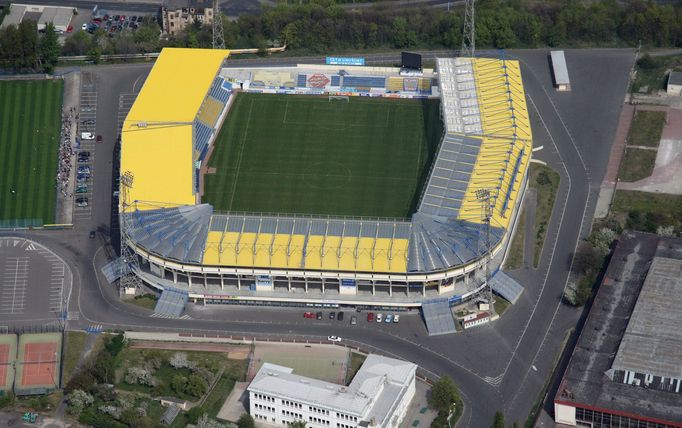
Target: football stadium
point(322, 184)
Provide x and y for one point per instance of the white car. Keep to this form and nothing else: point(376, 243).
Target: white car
point(334, 338)
point(87, 136)
point(84, 26)
point(380, 317)
point(396, 318)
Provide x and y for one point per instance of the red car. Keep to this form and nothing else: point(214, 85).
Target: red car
point(370, 317)
point(308, 315)
point(99, 139)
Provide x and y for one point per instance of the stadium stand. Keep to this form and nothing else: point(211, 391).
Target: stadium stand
point(301, 80)
point(486, 145)
point(363, 82)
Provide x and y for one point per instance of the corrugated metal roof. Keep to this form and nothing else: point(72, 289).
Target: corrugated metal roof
point(560, 68)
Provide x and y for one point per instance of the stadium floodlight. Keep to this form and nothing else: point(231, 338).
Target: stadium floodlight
point(483, 196)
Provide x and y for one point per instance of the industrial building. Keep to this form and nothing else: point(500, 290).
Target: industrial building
point(378, 396)
point(626, 369)
point(60, 17)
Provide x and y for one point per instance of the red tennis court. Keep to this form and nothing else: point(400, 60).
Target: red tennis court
point(39, 365)
point(4, 363)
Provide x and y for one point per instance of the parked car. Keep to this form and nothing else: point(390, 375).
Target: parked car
point(82, 177)
point(99, 139)
point(84, 26)
point(339, 316)
point(69, 29)
point(82, 202)
point(88, 136)
point(396, 318)
point(379, 317)
point(353, 320)
point(370, 317)
point(92, 234)
point(319, 315)
point(334, 338)
point(332, 315)
point(81, 189)
point(84, 169)
point(308, 315)
point(389, 318)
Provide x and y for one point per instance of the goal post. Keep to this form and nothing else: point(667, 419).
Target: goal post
point(341, 98)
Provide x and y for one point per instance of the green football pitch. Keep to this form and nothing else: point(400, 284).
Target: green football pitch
point(304, 154)
point(30, 126)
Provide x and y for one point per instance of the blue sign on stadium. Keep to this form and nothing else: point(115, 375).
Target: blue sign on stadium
point(348, 282)
point(344, 60)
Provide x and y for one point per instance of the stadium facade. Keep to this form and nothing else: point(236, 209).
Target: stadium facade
point(438, 253)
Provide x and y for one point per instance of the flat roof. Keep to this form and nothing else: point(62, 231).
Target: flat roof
point(559, 67)
point(363, 397)
point(653, 339)
point(156, 137)
point(675, 77)
point(16, 14)
point(585, 382)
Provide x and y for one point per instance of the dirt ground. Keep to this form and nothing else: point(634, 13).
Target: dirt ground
point(236, 352)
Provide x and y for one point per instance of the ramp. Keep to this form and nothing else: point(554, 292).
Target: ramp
point(112, 270)
point(438, 317)
point(506, 286)
point(171, 303)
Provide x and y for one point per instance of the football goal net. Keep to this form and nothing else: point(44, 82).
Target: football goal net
point(339, 98)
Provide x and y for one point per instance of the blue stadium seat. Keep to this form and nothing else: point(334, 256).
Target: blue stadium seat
point(364, 82)
point(301, 80)
point(218, 91)
point(202, 135)
point(336, 81)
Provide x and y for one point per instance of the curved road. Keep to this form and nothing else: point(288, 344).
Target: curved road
point(491, 364)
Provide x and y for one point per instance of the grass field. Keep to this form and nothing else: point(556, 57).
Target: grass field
point(30, 124)
point(646, 128)
point(304, 154)
point(637, 164)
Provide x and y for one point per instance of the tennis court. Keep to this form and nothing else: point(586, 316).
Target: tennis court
point(324, 362)
point(38, 363)
point(8, 352)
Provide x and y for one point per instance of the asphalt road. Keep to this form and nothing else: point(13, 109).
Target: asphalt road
point(492, 364)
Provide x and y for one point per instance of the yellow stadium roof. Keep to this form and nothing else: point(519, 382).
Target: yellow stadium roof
point(156, 138)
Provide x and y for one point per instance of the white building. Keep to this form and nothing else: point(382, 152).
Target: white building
point(674, 83)
point(378, 396)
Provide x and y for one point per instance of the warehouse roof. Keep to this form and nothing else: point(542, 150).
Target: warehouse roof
point(586, 381)
point(675, 77)
point(653, 339)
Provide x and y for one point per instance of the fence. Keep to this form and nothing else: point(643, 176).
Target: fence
point(21, 223)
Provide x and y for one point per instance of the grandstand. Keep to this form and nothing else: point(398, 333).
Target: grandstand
point(185, 244)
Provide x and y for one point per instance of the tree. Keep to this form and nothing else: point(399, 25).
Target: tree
point(246, 421)
point(498, 421)
point(196, 386)
point(179, 383)
point(78, 400)
point(49, 48)
point(79, 43)
point(297, 424)
point(443, 393)
point(206, 422)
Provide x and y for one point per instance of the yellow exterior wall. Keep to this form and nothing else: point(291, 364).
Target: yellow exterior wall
point(156, 138)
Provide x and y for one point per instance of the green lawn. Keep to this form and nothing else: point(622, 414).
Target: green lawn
point(647, 211)
point(646, 128)
point(515, 254)
point(356, 361)
point(637, 164)
point(655, 75)
point(546, 181)
point(304, 154)
point(147, 301)
point(30, 125)
point(73, 345)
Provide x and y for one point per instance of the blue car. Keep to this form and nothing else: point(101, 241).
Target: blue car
point(389, 318)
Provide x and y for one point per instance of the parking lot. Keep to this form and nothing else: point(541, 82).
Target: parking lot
point(87, 125)
point(34, 282)
point(112, 21)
